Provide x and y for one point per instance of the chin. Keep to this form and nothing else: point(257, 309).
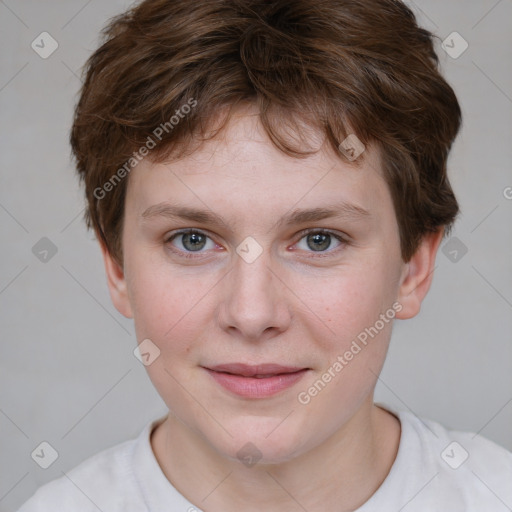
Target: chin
point(263, 440)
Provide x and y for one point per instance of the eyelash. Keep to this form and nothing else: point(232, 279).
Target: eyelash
point(301, 235)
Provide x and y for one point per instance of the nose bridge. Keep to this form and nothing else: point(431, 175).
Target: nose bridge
point(253, 300)
point(252, 277)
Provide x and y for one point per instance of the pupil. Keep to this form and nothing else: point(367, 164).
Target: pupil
point(320, 241)
point(196, 241)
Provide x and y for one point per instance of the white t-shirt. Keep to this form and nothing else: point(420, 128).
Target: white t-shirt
point(436, 470)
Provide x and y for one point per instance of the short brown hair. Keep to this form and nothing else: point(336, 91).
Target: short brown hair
point(338, 66)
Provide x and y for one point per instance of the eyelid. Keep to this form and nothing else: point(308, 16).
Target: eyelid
point(185, 231)
point(340, 236)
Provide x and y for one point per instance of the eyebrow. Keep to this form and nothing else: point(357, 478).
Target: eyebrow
point(342, 210)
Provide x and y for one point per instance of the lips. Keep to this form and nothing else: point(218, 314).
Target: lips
point(259, 371)
point(255, 381)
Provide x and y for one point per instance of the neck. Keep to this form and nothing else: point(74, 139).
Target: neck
point(340, 474)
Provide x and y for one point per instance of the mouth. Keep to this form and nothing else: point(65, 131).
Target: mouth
point(257, 381)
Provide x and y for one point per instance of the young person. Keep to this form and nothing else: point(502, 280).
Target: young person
point(268, 183)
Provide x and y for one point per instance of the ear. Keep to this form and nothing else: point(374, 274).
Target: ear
point(116, 284)
point(417, 275)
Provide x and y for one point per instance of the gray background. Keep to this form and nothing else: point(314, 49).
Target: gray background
point(68, 375)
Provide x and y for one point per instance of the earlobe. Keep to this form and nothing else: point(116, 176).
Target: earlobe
point(417, 275)
point(116, 282)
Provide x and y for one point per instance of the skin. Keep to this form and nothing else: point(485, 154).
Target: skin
point(293, 305)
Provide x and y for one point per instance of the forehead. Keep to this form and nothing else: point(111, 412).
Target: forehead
point(242, 169)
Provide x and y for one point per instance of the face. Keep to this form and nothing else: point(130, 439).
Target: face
point(265, 275)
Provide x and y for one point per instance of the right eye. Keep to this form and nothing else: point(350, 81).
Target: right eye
point(190, 240)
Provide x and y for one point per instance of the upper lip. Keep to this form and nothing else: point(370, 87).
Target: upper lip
point(247, 370)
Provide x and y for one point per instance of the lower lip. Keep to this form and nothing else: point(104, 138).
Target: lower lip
point(251, 387)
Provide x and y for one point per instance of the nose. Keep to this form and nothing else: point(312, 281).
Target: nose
point(254, 304)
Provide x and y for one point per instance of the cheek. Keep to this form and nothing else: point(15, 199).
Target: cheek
point(347, 303)
point(166, 311)
point(163, 308)
point(354, 349)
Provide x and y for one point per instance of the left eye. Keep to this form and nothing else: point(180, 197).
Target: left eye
point(320, 241)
